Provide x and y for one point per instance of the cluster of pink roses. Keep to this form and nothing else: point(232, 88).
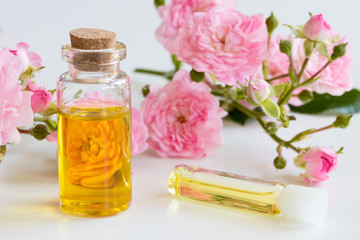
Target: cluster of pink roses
point(230, 48)
point(212, 36)
point(19, 100)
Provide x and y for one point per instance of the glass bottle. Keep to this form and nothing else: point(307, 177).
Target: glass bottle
point(254, 195)
point(94, 132)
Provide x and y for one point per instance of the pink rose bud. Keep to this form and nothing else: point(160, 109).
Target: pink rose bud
point(318, 162)
point(41, 98)
point(317, 29)
point(258, 91)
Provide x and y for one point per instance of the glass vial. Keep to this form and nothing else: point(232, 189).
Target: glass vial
point(300, 203)
point(94, 126)
point(225, 189)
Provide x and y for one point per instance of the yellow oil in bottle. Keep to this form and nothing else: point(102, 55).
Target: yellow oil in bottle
point(94, 160)
point(225, 189)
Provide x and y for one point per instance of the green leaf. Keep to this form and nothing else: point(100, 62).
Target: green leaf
point(298, 32)
point(301, 136)
point(52, 91)
point(271, 108)
point(308, 82)
point(276, 90)
point(322, 49)
point(238, 116)
point(348, 103)
point(340, 151)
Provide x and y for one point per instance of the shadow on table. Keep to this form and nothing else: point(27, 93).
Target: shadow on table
point(200, 212)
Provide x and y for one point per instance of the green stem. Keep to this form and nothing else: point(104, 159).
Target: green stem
point(321, 129)
point(278, 77)
point(258, 116)
point(168, 75)
point(283, 99)
point(277, 139)
point(303, 69)
point(279, 150)
point(247, 111)
point(39, 119)
point(315, 75)
point(269, 41)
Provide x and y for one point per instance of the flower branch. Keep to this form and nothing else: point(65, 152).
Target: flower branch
point(254, 74)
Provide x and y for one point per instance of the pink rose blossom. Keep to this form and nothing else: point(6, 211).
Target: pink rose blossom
point(41, 98)
point(177, 13)
point(184, 119)
point(226, 43)
point(139, 132)
point(258, 91)
point(317, 29)
point(28, 58)
point(318, 162)
point(15, 104)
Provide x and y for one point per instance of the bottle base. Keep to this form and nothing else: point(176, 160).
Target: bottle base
point(92, 209)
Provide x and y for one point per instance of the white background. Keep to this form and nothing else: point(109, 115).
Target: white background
point(28, 175)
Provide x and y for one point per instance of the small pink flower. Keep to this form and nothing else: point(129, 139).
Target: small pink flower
point(317, 29)
point(184, 119)
point(15, 104)
point(226, 43)
point(318, 161)
point(41, 98)
point(139, 132)
point(177, 13)
point(28, 58)
point(258, 91)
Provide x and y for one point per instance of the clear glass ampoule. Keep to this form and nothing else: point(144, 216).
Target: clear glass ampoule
point(94, 132)
point(225, 189)
point(251, 194)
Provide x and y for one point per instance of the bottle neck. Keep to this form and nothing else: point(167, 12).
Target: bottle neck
point(97, 74)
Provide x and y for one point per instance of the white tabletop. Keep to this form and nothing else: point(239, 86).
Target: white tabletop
point(29, 204)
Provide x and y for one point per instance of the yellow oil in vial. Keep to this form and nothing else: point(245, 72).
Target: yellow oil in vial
point(225, 189)
point(94, 160)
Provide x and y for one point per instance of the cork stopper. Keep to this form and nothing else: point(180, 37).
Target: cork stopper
point(92, 39)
